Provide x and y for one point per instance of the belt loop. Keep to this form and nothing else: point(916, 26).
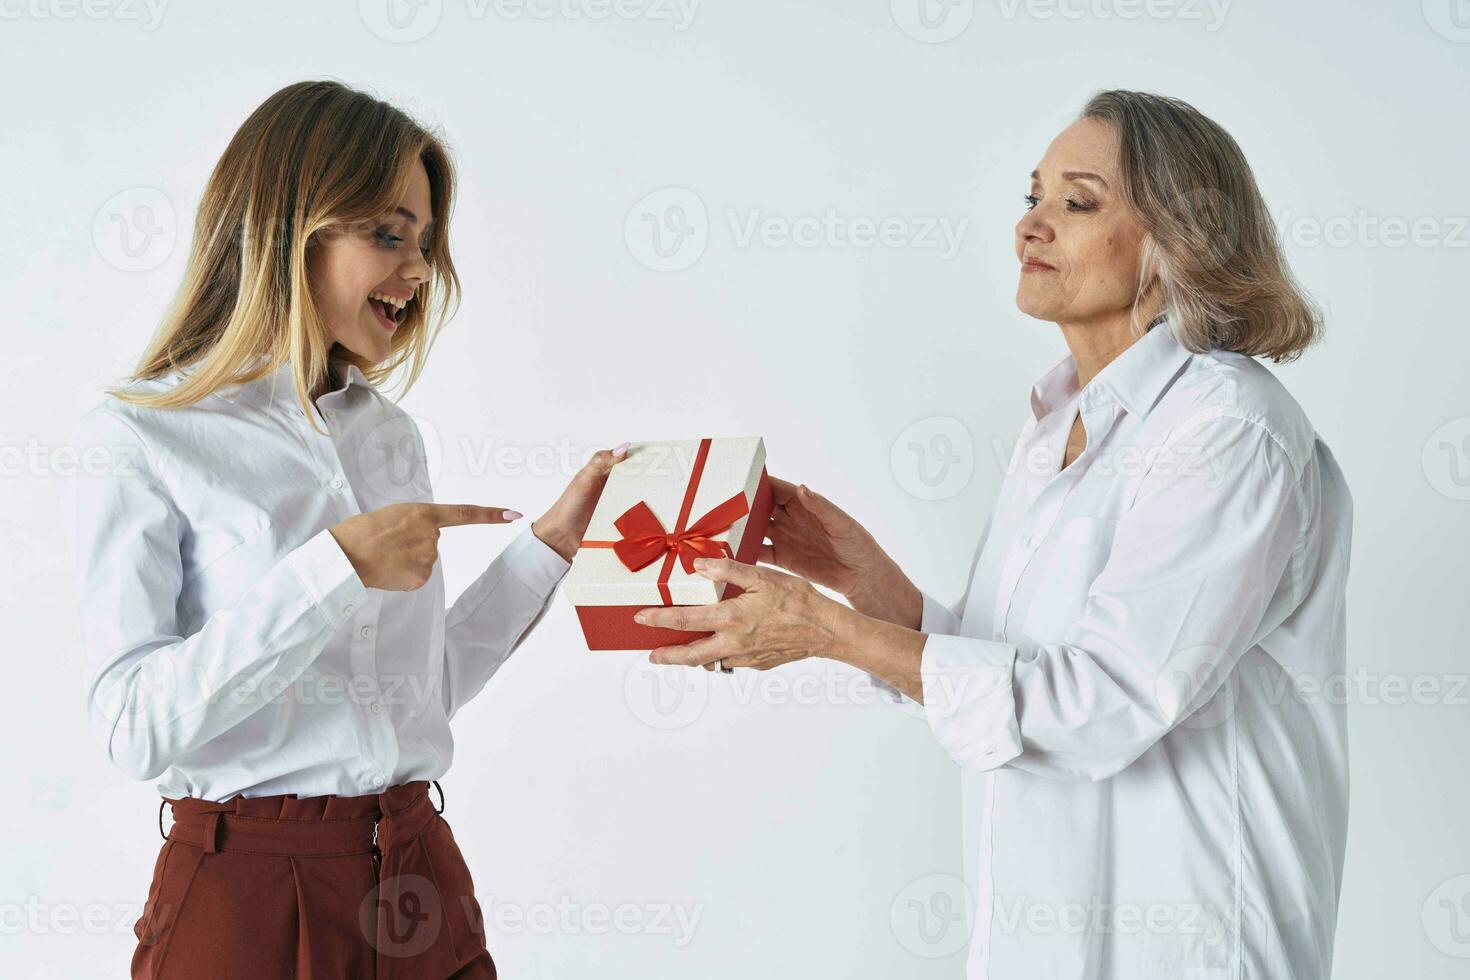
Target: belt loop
point(161, 804)
point(440, 808)
point(211, 828)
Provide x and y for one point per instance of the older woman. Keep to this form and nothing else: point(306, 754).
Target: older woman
point(1162, 575)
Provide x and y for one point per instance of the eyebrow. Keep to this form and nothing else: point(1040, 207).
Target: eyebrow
point(1075, 175)
point(414, 218)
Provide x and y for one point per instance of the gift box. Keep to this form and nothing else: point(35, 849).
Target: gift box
point(664, 505)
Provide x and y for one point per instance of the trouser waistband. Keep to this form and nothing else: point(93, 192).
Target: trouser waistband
point(351, 825)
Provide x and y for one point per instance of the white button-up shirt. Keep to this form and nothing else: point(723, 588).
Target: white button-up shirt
point(232, 647)
point(1138, 679)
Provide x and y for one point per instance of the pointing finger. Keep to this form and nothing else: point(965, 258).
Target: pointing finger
point(451, 515)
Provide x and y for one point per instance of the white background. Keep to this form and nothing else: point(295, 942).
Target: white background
point(798, 826)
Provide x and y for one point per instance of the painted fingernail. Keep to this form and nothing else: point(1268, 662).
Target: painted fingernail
point(513, 515)
point(621, 449)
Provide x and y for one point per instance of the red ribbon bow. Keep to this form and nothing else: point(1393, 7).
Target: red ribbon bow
point(644, 540)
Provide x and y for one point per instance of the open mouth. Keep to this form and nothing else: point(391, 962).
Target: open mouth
point(389, 310)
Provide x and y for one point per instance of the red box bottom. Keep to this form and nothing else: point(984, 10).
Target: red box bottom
point(612, 627)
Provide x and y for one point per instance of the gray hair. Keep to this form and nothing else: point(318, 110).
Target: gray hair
point(1210, 243)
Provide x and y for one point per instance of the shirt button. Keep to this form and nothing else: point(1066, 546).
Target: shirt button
point(337, 484)
point(377, 708)
point(366, 632)
point(331, 414)
point(348, 608)
point(378, 781)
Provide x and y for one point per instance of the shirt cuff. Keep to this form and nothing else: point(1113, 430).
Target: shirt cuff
point(328, 577)
point(937, 618)
point(535, 563)
point(969, 699)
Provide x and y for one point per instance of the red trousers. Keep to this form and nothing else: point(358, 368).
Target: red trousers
point(325, 886)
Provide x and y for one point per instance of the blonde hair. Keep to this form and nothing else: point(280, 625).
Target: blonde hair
point(1210, 243)
point(315, 158)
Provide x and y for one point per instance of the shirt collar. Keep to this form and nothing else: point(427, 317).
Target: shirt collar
point(277, 386)
point(1135, 378)
point(1054, 389)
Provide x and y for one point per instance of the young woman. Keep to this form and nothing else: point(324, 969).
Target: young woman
point(265, 615)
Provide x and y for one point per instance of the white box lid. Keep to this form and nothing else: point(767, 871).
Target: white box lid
point(658, 474)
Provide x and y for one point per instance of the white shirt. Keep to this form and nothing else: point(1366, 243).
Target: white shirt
point(232, 647)
point(1139, 679)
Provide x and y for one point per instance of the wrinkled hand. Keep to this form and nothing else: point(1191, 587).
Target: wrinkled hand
point(814, 538)
point(564, 525)
point(778, 619)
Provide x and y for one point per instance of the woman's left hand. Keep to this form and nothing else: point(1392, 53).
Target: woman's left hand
point(564, 525)
point(778, 619)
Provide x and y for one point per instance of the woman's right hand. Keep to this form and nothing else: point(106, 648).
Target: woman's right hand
point(394, 548)
point(819, 541)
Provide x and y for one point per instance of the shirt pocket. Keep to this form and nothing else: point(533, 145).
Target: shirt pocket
point(1069, 562)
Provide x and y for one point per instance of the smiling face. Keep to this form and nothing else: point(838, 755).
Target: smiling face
point(364, 281)
point(1079, 242)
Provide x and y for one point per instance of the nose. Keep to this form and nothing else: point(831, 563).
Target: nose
point(1033, 227)
point(416, 269)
